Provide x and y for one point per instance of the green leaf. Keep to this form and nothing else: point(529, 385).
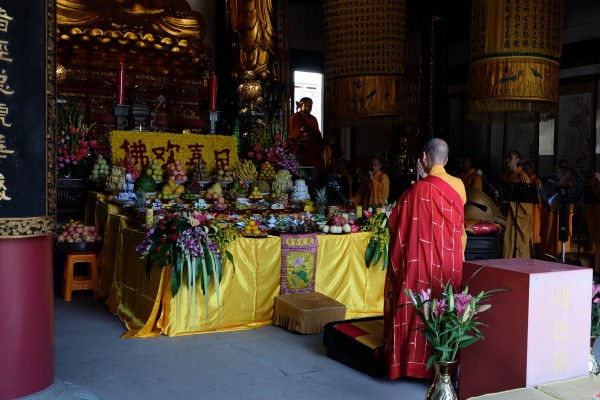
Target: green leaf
point(385, 257)
point(230, 258)
point(370, 252)
point(467, 342)
point(205, 281)
point(377, 254)
point(176, 277)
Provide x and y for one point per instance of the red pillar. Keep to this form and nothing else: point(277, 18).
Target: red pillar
point(26, 316)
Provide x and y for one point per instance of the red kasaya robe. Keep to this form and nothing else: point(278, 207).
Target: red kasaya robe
point(426, 228)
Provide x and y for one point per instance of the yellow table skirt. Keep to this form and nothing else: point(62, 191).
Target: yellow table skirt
point(246, 293)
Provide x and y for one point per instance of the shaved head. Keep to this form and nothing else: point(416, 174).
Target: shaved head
point(437, 150)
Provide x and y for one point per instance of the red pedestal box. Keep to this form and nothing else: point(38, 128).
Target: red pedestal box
point(537, 332)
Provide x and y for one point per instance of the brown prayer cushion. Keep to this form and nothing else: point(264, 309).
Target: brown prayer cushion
point(306, 312)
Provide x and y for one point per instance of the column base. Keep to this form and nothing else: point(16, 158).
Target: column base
point(63, 391)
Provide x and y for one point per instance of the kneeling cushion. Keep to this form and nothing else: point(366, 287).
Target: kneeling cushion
point(357, 343)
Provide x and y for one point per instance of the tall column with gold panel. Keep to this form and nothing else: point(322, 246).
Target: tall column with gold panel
point(515, 54)
point(27, 197)
point(364, 46)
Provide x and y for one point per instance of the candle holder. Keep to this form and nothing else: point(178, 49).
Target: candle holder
point(213, 117)
point(121, 112)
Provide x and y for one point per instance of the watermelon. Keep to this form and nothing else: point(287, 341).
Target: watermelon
point(145, 183)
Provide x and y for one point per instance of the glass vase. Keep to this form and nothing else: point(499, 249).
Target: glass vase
point(441, 388)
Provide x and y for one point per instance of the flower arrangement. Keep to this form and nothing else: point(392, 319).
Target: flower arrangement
point(376, 220)
point(450, 320)
point(192, 243)
point(595, 332)
point(73, 143)
point(278, 155)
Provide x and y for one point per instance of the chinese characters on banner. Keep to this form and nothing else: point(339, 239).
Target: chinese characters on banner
point(143, 147)
point(5, 92)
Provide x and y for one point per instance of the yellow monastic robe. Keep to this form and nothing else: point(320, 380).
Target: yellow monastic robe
point(471, 179)
point(458, 185)
point(549, 227)
point(536, 213)
point(523, 216)
point(373, 191)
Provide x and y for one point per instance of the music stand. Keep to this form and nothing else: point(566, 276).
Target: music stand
point(517, 192)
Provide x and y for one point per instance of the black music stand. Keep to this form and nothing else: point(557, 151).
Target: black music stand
point(516, 192)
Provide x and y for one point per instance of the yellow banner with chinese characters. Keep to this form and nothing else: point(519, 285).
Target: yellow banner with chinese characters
point(142, 147)
point(515, 56)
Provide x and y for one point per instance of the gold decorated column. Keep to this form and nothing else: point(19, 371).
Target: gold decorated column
point(365, 54)
point(515, 54)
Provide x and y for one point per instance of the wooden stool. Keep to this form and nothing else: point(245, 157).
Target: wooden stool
point(86, 282)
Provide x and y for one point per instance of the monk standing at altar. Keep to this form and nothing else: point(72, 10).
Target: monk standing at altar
point(524, 244)
point(427, 239)
point(374, 190)
point(536, 208)
point(469, 175)
point(306, 135)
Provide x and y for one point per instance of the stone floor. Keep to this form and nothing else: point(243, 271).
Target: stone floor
point(263, 363)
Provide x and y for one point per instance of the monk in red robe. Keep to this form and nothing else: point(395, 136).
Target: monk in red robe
point(427, 240)
point(305, 135)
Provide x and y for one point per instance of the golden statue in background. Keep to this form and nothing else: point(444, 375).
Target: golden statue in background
point(159, 35)
point(256, 47)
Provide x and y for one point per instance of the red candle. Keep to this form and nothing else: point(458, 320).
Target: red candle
point(121, 84)
point(213, 92)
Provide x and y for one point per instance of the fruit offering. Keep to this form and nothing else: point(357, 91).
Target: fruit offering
point(188, 195)
point(129, 166)
point(252, 229)
point(177, 171)
point(283, 182)
point(200, 171)
point(245, 171)
point(170, 189)
point(76, 232)
point(224, 173)
point(255, 195)
point(116, 179)
point(154, 170)
point(195, 187)
point(267, 171)
point(100, 168)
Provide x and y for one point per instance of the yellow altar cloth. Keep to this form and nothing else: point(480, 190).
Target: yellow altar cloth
point(247, 292)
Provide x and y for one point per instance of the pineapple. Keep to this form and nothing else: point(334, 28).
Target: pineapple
point(321, 198)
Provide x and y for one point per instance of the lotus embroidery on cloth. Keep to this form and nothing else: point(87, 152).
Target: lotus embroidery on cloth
point(298, 263)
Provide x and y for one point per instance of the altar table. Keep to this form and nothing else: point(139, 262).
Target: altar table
point(247, 292)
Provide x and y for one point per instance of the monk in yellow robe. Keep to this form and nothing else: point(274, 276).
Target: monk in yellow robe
point(469, 175)
point(374, 190)
point(536, 208)
point(519, 211)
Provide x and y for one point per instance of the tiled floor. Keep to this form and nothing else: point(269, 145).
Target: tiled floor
point(263, 363)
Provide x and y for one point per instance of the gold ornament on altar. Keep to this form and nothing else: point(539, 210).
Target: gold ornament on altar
point(515, 58)
point(251, 92)
point(61, 74)
point(157, 36)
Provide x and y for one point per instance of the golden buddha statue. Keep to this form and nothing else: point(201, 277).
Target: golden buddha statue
point(162, 28)
point(256, 48)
